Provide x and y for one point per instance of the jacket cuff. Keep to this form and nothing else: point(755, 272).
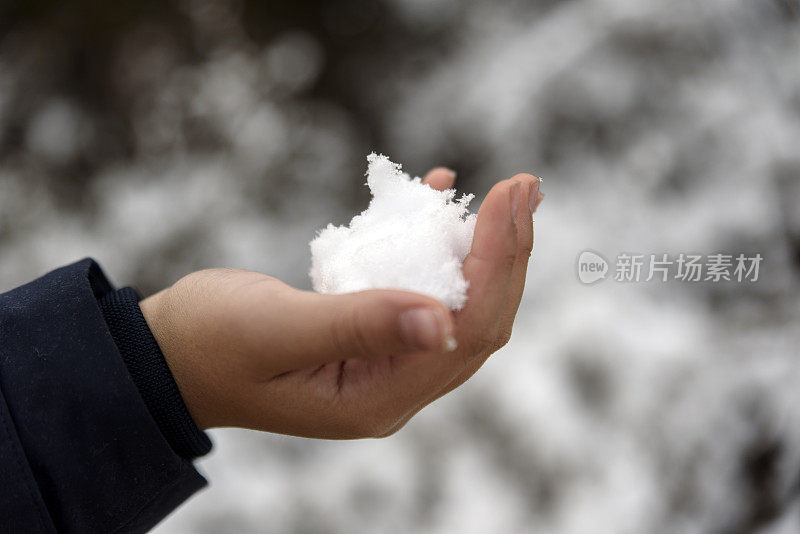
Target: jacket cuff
point(151, 374)
point(84, 452)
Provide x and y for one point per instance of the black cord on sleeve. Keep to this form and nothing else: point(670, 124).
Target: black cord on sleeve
point(151, 374)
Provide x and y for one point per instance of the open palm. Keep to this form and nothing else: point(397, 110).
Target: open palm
point(248, 350)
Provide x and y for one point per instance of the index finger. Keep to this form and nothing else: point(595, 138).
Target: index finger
point(488, 268)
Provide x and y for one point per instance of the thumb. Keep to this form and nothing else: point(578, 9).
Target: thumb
point(320, 329)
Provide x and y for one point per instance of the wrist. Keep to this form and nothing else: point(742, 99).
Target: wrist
point(155, 309)
point(148, 368)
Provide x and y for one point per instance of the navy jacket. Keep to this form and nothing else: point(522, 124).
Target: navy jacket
point(94, 436)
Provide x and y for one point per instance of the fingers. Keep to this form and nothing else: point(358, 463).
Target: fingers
point(530, 189)
point(488, 268)
point(524, 225)
point(532, 197)
point(440, 178)
point(309, 329)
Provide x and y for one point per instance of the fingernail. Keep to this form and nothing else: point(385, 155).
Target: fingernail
point(538, 201)
point(424, 328)
point(533, 194)
point(449, 343)
point(451, 172)
point(514, 200)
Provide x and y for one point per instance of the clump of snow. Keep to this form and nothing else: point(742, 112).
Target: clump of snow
point(411, 237)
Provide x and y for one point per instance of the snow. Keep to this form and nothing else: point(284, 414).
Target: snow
point(664, 127)
point(411, 237)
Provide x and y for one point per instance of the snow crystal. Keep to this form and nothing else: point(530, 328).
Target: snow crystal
point(411, 237)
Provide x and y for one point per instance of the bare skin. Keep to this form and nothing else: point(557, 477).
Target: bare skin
point(249, 351)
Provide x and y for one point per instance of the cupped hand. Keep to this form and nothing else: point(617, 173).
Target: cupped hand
point(248, 350)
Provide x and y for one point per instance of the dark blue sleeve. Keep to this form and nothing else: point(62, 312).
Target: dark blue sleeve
point(151, 374)
point(79, 449)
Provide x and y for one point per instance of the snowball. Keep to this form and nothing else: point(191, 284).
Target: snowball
point(411, 237)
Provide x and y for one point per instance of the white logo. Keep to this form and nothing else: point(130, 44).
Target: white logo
point(591, 267)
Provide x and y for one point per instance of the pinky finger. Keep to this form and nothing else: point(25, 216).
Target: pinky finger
point(440, 178)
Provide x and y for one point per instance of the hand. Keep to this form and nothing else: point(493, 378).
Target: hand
point(247, 350)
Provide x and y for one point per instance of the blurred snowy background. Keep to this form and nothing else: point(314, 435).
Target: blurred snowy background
point(164, 137)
